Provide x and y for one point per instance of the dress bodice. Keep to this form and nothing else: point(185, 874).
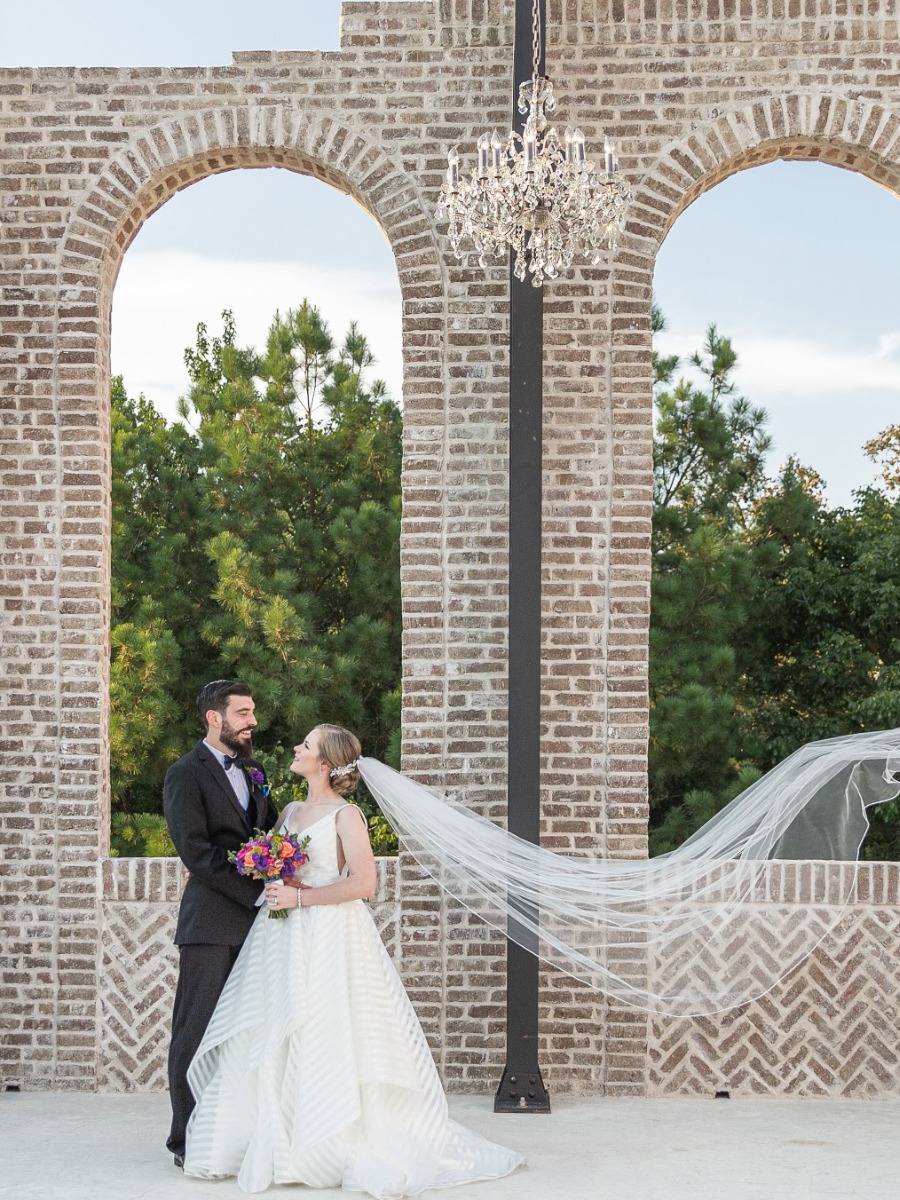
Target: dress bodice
point(322, 867)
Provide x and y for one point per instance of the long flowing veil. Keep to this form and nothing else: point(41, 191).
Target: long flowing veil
point(702, 929)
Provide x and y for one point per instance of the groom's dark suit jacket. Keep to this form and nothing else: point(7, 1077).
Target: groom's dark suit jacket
point(206, 820)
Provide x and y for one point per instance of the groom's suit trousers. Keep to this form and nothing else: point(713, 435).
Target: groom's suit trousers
point(218, 907)
point(202, 975)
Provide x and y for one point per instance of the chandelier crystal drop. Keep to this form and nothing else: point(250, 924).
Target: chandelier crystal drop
point(534, 193)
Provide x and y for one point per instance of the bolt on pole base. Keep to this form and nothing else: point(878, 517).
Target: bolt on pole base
point(521, 1091)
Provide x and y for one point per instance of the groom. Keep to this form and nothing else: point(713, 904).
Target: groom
point(213, 799)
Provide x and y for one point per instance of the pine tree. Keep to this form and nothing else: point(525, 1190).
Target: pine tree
point(774, 619)
point(258, 540)
point(708, 453)
point(157, 531)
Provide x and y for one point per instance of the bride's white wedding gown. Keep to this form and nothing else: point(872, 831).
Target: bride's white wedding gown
point(314, 1068)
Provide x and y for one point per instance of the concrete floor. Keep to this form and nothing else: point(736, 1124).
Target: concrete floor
point(110, 1147)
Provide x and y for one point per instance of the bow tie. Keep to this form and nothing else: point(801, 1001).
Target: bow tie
point(232, 760)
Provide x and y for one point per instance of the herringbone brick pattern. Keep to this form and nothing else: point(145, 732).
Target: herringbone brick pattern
point(831, 1029)
point(140, 970)
point(140, 965)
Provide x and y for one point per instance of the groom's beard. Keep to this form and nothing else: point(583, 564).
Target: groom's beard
point(238, 741)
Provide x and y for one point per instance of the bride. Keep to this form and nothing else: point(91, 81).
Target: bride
point(314, 1068)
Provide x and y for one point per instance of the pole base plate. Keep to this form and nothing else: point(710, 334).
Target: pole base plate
point(521, 1091)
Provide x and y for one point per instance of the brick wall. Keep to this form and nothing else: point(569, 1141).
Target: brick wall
point(139, 967)
point(693, 92)
point(832, 1028)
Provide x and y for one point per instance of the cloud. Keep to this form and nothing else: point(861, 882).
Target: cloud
point(802, 368)
point(161, 296)
point(823, 401)
point(888, 344)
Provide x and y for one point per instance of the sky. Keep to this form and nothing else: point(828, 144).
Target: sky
point(796, 262)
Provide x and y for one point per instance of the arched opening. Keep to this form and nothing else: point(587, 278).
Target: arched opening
point(138, 897)
point(256, 450)
point(773, 603)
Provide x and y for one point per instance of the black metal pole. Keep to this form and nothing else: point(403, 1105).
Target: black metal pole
point(521, 1088)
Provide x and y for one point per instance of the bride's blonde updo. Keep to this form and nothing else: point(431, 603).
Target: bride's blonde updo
point(340, 749)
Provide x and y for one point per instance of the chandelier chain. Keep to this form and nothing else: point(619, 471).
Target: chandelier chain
point(535, 38)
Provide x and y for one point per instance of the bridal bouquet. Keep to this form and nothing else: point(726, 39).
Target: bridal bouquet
point(271, 856)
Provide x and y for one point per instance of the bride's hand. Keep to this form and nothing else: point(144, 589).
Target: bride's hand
point(279, 896)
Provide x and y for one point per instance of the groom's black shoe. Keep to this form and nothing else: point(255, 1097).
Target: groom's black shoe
point(179, 1161)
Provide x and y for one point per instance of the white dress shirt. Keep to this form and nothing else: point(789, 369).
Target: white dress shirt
point(236, 777)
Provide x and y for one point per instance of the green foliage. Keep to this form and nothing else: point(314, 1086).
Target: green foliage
point(144, 672)
point(258, 540)
point(709, 446)
point(826, 659)
point(160, 575)
point(708, 471)
point(885, 450)
point(696, 809)
point(775, 621)
point(140, 835)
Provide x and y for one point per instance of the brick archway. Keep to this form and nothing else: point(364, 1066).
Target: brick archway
point(857, 135)
point(162, 161)
point(169, 157)
point(745, 1051)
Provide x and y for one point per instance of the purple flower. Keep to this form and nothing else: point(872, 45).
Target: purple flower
point(257, 777)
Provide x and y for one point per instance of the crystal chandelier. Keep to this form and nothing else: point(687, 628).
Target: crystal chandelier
point(541, 197)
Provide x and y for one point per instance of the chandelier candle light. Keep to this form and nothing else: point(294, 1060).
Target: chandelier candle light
point(541, 197)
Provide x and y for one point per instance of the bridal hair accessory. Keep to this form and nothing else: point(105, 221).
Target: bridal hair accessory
point(340, 772)
point(709, 926)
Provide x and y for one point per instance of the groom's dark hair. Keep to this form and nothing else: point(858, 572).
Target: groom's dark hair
point(216, 695)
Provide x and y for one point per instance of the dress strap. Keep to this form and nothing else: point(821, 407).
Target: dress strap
point(350, 804)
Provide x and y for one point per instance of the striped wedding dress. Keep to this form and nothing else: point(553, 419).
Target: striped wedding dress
point(314, 1068)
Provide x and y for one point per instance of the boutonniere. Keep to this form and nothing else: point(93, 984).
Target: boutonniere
point(258, 780)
